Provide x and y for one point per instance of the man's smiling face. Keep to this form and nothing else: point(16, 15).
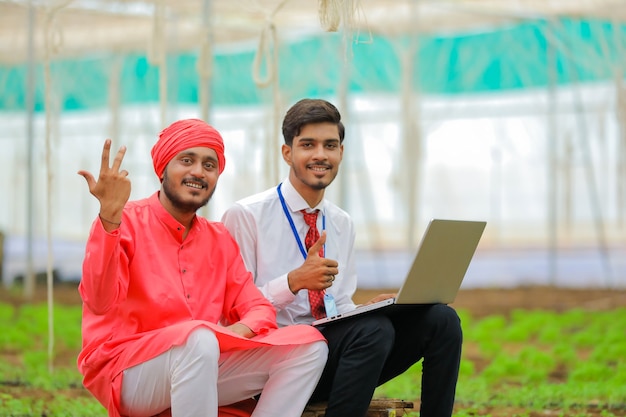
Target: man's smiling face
point(314, 157)
point(190, 178)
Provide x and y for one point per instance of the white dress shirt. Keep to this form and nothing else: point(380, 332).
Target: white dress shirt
point(270, 250)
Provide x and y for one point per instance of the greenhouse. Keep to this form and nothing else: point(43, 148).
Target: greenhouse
point(467, 109)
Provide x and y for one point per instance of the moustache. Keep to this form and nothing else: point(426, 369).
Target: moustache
point(197, 181)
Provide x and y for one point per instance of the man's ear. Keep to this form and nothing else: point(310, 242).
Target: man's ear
point(286, 151)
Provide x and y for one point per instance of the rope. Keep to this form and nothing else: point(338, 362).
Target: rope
point(330, 14)
point(203, 66)
point(263, 51)
point(271, 58)
point(268, 52)
point(333, 12)
point(53, 43)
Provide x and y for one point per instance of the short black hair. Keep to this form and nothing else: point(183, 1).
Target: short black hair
point(307, 111)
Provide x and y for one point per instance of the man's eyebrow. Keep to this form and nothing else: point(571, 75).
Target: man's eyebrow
point(192, 153)
point(315, 140)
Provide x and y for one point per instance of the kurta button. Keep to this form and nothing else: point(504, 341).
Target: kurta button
point(184, 271)
point(188, 295)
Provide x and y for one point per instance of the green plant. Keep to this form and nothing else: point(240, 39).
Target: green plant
point(514, 363)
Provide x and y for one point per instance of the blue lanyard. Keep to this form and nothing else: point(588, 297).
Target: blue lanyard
point(293, 226)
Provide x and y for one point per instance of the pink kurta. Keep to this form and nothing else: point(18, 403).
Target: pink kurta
point(144, 289)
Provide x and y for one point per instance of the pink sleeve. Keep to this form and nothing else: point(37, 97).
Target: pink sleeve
point(105, 270)
point(244, 301)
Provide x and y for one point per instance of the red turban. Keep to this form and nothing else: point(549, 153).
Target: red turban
point(186, 134)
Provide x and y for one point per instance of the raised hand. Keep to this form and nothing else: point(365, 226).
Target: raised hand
point(112, 189)
point(316, 273)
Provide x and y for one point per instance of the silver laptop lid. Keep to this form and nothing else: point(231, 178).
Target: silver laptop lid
point(442, 259)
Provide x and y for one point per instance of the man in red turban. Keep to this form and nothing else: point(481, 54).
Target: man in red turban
point(184, 134)
point(171, 317)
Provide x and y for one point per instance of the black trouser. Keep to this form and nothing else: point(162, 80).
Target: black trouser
point(367, 351)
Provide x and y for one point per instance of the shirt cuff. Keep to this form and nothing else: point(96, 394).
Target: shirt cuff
point(279, 293)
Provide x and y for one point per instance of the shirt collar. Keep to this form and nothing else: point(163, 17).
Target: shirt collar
point(166, 218)
point(294, 200)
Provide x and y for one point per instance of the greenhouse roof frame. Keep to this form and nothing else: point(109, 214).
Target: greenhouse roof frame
point(77, 27)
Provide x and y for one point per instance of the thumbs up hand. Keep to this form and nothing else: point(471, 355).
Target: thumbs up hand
point(316, 273)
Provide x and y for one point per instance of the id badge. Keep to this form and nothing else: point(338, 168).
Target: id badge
point(331, 307)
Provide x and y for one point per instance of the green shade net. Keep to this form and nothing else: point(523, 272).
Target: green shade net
point(528, 55)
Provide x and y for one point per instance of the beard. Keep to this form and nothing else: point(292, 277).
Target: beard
point(177, 200)
point(313, 183)
point(320, 185)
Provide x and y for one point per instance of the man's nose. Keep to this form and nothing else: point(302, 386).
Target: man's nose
point(197, 169)
point(320, 152)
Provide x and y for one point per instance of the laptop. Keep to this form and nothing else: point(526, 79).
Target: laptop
point(438, 268)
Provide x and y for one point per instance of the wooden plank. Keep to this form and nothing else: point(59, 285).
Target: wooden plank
point(379, 407)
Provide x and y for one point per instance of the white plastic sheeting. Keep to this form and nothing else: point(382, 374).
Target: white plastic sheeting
point(482, 157)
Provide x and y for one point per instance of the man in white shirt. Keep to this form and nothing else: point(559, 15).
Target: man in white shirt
point(364, 352)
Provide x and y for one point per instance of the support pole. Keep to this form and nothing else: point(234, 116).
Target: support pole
point(552, 179)
point(205, 62)
point(342, 104)
point(411, 138)
point(29, 278)
point(204, 68)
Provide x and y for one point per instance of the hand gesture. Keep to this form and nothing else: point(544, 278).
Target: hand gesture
point(316, 273)
point(112, 188)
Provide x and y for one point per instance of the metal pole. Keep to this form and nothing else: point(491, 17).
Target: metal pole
point(206, 63)
point(342, 100)
point(411, 137)
point(552, 179)
point(204, 68)
point(29, 279)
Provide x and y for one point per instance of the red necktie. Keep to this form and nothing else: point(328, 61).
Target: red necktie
point(316, 298)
